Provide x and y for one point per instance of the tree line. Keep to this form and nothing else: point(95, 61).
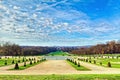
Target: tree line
point(12, 49)
point(40, 50)
point(111, 47)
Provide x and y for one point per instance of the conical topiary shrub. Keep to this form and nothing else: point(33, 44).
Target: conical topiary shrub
point(30, 62)
point(13, 61)
point(75, 63)
point(109, 64)
point(19, 61)
point(25, 64)
point(89, 61)
point(16, 66)
point(38, 61)
point(86, 60)
point(94, 61)
point(5, 62)
point(26, 59)
point(34, 61)
point(23, 59)
point(78, 64)
point(100, 63)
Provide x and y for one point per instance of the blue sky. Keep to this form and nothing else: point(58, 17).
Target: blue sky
point(59, 22)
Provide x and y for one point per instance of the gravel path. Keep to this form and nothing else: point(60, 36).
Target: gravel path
point(58, 67)
point(52, 67)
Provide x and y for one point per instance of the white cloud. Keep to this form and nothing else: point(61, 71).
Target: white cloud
point(44, 22)
point(16, 8)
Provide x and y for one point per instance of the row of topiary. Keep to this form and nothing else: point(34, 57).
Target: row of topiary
point(74, 62)
point(94, 61)
point(18, 60)
point(32, 62)
point(105, 57)
point(13, 61)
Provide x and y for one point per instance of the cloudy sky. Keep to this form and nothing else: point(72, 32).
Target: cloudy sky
point(59, 22)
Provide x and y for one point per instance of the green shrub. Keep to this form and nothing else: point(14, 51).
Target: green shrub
point(109, 64)
point(89, 61)
point(94, 61)
point(5, 62)
point(23, 60)
point(26, 59)
point(30, 62)
point(13, 61)
point(34, 61)
point(78, 64)
point(19, 61)
point(100, 63)
point(38, 61)
point(16, 66)
point(29, 59)
point(75, 63)
point(25, 64)
point(86, 60)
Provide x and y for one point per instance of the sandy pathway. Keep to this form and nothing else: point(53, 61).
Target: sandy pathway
point(52, 66)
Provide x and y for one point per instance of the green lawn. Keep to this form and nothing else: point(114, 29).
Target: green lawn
point(62, 77)
point(81, 68)
point(16, 59)
point(59, 53)
point(28, 65)
point(115, 63)
point(9, 60)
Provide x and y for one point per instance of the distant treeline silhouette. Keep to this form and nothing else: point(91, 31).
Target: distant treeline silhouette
point(111, 47)
point(40, 50)
point(10, 49)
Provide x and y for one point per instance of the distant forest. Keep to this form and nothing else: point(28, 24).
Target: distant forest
point(10, 49)
point(111, 47)
point(39, 50)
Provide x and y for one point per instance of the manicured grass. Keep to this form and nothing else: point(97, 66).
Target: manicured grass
point(9, 60)
point(59, 53)
point(115, 63)
point(16, 59)
point(28, 65)
point(62, 77)
point(81, 68)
